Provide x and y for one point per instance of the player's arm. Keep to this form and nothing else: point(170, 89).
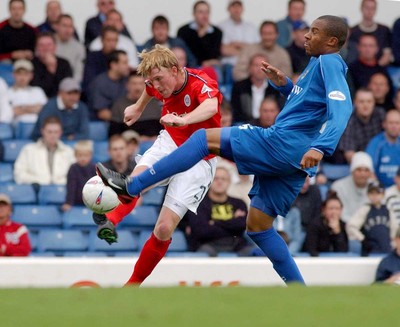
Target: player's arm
point(277, 78)
point(133, 112)
point(207, 109)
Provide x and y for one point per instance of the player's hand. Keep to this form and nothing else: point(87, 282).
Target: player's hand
point(274, 74)
point(173, 120)
point(131, 114)
point(311, 159)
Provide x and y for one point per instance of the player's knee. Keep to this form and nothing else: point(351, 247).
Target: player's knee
point(164, 230)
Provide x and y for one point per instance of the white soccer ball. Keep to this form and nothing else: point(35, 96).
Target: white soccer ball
point(98, 197)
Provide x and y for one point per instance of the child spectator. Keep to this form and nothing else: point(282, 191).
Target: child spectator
point(79, 173)
point(373, 225)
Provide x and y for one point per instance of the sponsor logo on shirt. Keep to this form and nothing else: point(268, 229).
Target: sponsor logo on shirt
point(206, 89)
point(296, 90)
point(337, 95)
point(186, 100)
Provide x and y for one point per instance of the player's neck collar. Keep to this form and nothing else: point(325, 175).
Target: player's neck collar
point(184, 83)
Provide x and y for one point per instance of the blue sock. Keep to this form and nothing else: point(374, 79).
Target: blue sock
point(183, 158)
point(275, 248)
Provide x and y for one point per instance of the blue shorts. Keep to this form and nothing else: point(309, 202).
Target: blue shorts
point(276, 182)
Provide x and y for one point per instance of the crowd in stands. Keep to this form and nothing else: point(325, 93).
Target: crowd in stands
point(62, 101)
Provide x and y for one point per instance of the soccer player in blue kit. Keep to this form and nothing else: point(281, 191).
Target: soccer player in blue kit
point(308, 127)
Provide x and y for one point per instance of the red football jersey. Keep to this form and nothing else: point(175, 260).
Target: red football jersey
point(14, 240)
point(198, 87)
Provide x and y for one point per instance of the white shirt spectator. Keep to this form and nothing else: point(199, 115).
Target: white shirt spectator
point(28, 96)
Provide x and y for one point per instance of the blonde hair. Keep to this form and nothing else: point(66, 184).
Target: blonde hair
point(84, 146)
point(157, 57)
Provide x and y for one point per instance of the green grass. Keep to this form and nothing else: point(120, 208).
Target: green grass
point(206, 307)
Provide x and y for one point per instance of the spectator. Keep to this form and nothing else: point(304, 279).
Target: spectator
point(148, 124)
point(328, 233)
point(289, 228)
point(352, 189)
point(94, 24)
point(220, 221)
point(248, 94)
point(297, 53)
point(14, 238)
point(68, 47)
point(160, 35)
point(17, 38)
point(277, 56)
point(384, 149)
point(392, 197)
point(46, 161)
point(373, 224)
point(296, 10)
point(379, 31)
point(388, 270)
point(365, 122)
point(96, 61)
point(73, 113)
point(269, 110)
point(53, 14)
point(119, 155)
point(133, 143)
point(109, 86)
point(6, 114)
point(79, 173)
point(396, 42)
point(366, 65)
point(381, 86)
point(202, 38)
point(309, 203)
point(114, 19)
point(26, 101)
point(236, 33)
point(49, 69)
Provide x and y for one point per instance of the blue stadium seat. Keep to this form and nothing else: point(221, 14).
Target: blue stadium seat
point(126, 242)
point(6, 73)
point(141, 217)
point(144, 146)
point(355, 246)
point(42, 254)
point(6, 131)
point(84, 254)
point(19, 193)
point(37, 217)
point(79, 217)
point(334, 172)
point(394, 73)
point(154, 197)
point(187, 254)
point(227, 255)
point(33, 238)
point(337, 254)
point(59, 240)
point(178, 243)
point(226, 90)
point(12, 149)
point(323, 190)
point(23, 130)
point(6, 172)
point(143, 237)
point(52, 194)
point(100, 152)
point(98, 130)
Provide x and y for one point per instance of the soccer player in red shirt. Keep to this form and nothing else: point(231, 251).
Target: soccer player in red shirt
point(193, 97)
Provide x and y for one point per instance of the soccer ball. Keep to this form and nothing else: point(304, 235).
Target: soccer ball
point(98, 197)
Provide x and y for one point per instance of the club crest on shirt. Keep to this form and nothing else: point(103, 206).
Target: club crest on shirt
point(337, 95)
point(186, 100)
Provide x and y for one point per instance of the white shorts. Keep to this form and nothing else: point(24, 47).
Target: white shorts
point(187, 189)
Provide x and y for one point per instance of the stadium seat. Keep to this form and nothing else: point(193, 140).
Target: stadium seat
point(6, 173)
point(337, 254)
point(83, 254)
point(33, 238)
point(144, 146)
point(70, 143)
point(187, 254)
point(178, 243)
point(141, 217)
point(37, 217)
point(226, 90)
point(6, 131)
point(126, 242)
point(394, 73)
point(19, 193)
point(227, 255)
point(334, 172)
point(62, 240)
point(355, 246)
point(12, 149)
point(52, 194)
point(100, 153)
point(42, 254)
point(98, 130)
point(154, 197)
point(23, 130)
point(323, 190)
point(6, 73)
point(79, 217)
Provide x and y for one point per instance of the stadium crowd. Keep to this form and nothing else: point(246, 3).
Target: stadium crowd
point(62, 100)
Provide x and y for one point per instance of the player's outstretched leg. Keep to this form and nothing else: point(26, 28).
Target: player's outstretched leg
point(183, 158)
point(106, 229)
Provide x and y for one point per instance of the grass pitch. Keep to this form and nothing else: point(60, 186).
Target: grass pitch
point(202, 307)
